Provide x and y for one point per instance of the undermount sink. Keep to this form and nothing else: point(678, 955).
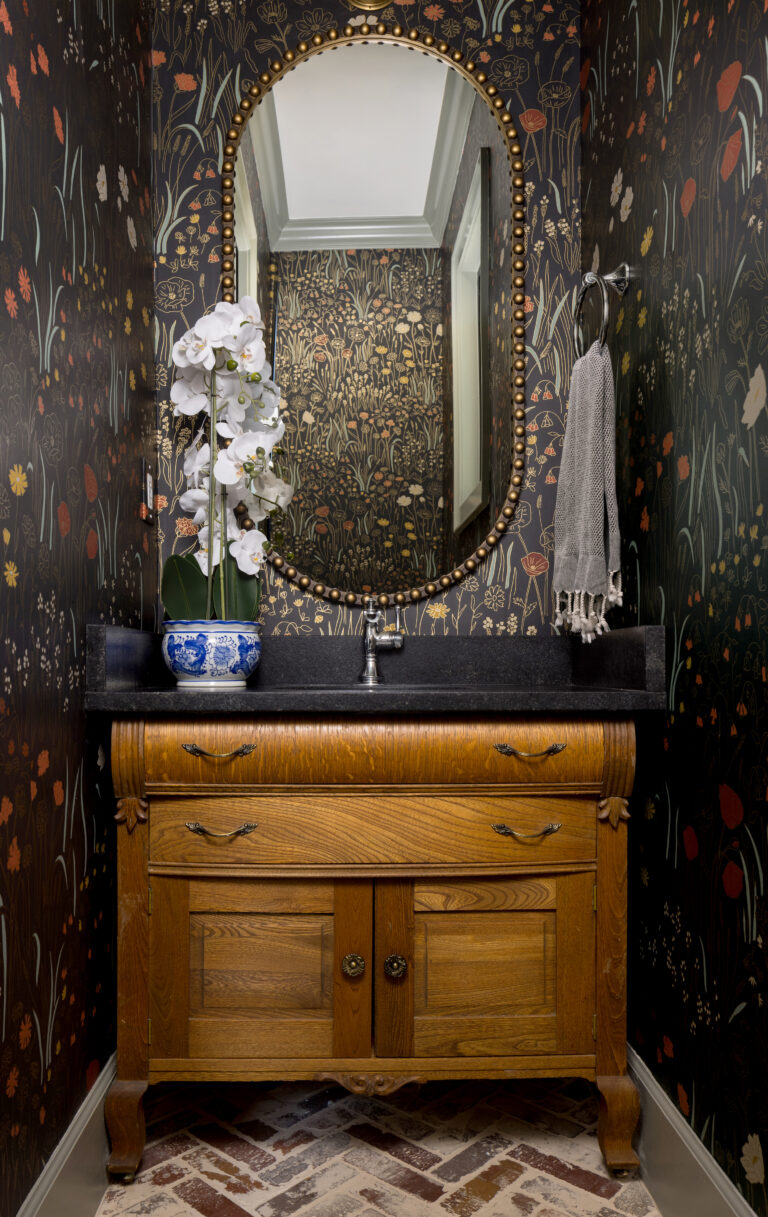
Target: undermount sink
point(621, 672)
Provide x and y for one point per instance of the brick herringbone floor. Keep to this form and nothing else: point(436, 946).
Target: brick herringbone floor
point(496, 1149)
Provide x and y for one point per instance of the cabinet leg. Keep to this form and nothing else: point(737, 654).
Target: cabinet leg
point(124, 1115)
point(617, 1121)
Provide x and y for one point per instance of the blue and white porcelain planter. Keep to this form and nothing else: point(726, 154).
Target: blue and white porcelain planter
point(212, 654)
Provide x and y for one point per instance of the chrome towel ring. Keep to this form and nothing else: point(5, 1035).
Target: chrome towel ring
point(619, 280)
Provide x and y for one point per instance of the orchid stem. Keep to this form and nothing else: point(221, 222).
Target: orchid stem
point(211, 501)
point(223, 554)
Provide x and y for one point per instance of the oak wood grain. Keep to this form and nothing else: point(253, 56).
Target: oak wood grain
point(352, 830)
point(576, 935)
point(288, 1068)
point(490, 893)
point(393, 1020)
point(169, 967)
point(337, 751)
point(353, 995)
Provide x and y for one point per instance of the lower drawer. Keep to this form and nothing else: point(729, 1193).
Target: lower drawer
point(353, 830)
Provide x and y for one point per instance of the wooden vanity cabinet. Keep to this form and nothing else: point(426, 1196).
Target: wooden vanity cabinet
point(371, 901)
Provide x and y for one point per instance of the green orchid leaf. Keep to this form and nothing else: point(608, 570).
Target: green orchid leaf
point(183, 588)
point(242, 593)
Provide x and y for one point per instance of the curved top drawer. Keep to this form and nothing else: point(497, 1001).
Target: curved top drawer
point(342, 751)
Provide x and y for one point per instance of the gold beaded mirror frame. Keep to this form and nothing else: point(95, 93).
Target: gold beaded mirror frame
point(474, 73)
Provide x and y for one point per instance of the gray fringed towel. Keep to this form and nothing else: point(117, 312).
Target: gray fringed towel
point(587, 576)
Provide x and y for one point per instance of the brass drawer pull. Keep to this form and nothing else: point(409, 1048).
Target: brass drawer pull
point(508, 750)
point(395, 966)
point(200, 829)
point(505, 831)
point(353, 965)
point(196, 750)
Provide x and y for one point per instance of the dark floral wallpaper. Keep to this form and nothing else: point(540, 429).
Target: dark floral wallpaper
point(77, 411)
point(676, 182)
point(205, 53)
point(359, 359)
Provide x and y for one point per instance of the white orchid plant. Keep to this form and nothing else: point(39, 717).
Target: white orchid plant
point(222, 371)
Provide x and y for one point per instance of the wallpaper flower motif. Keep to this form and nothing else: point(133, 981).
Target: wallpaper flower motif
point(75, 368)
point(359, 358)
point(205, 53)
point(678, 119)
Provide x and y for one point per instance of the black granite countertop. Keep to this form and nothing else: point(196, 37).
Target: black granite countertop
point(622, 672)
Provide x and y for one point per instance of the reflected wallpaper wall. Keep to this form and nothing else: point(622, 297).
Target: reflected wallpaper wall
point(676, 183)
point(77, 409)
point(205, 53)
point(359, 359)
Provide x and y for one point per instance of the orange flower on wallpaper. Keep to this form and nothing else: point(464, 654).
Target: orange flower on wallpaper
point(687, 196)
point(57, 126)
point(667, 443)
point(12, 1083)
point(13, 85)
point(25, 286)
point(58, 793)
point(682, 1099)
point(534, 564)
point(683, 468)
point(650, 82)
point(42, 59)
point(158, 58)
point(91, 485)
point(43, 761)
point(532, 121)
point(185, 82)
point(5, 20)
point(11, 302)
point(727, 85)
point(14, 855)
point(731, 155)
point(25, 1031)
point(6, 807)
point(645, 520)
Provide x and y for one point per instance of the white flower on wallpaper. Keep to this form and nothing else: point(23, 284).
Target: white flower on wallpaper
point(131, 231)
point(755, 399)
point(626, 204)
point(752, 1159)
point(101, 183)
point(616, 185)
point(122, 181)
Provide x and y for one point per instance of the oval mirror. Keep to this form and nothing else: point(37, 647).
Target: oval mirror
point(375, 225)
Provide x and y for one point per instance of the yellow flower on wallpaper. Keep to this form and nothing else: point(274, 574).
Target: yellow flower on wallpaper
point(625, 363)
point(11, 574)
point(18, 480)
point(645, 244)
point(642, 317)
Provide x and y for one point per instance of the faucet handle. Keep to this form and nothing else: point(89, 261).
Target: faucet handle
point(398, 619)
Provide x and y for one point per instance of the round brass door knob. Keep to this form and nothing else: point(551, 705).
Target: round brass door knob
point(353, 965)
point(395, 966)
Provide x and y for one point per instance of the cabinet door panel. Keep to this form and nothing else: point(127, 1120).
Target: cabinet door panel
point(240, 969)
point(510, 979)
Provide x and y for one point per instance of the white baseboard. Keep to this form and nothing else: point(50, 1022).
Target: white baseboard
point(681, 1175)
point(74, 1178)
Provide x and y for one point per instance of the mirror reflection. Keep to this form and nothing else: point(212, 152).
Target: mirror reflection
point(373, 214)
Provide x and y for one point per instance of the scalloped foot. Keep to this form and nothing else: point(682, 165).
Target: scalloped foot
point(617, 1121)
point(124, 1115)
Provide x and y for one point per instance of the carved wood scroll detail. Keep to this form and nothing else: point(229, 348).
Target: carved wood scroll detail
point(612, 809)
point(131, 810)
point(128, 772)
point(367, 1083)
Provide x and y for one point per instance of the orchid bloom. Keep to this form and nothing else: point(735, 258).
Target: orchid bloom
point(248, 550)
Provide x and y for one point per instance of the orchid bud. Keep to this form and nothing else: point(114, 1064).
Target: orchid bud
point(231, 365)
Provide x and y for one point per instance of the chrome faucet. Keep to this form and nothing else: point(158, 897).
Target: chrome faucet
point(375, 640)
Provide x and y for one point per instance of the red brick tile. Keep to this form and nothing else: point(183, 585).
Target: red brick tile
point(472, 1158)
point(221, 1170)
point(161, 1151)
point(286, 1145)
point(303, 1193)
point(204, 1199)
point(235, 1146)
point(257, 1130)
point(382, 1167)
point(171, 1172)
point(577, 1176)
point(486, 1186)
point(404, 1151)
